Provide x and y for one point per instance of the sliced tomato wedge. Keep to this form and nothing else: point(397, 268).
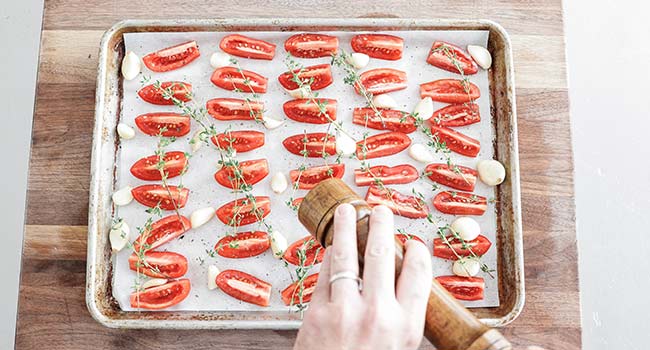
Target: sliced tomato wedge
point(382, 145)
point(401, 204)
point(154, 95)
point(243, 245)
point(250, 172)
point(174, 124)
point(317, 77)
point(382, 46)
point(308, 45)
point(161, 297)
point(152, 195)
point(242, 211)
point(460, 203)
point(147, 167)
point(317, 144)
point(458, 177)
point(243, 46)
point(240, 141)
point(298, 293)
point(399, 174)
point(244, 287)
point(405, 237)
point(457, 142)
point(306, 111)
point(234, 109)
point(478, 246)
point(313, 252)
point(159, 264)
point(231, 78)
point(173, 57)
point(310, 177)
point(390, 119)
point(296, 202)
point(450, 91)
point(382, 80)
point(457, 115)
point(450, 58)
point(463, 288)
point(161, 232)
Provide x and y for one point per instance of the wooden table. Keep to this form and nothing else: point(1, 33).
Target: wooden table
point(52, 311)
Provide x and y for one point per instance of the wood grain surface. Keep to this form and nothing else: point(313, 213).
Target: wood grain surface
point(52, 311)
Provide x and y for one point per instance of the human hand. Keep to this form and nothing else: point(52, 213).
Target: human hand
point(382, 316)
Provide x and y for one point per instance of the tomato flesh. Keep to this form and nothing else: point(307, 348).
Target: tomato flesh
point(243, 245)
point(382, 46)
point(234, 109)
point(173, 57)
point(443, 55)
point(382, 145)
point(250, 172)
point(161, 297)
point(153, 195)
point(147, 168)
point(234, 79)
point(243, 211)
point(317, 144)
point(478, 246)
point(458, 177)
point(243, 46)
point(381, 80)
point(401, 204)
point(460, 203)
point(457, 142)
point(390, 119)
point(306, 111)
point(154, 95)
point(463, 288)
point(161, 232)
point(244, 287)
point(307, 45)
point(399, 174)
point(450, 91)
point(240, 141)
point(313, 252)
point(316, 77)
point(311, 177)
point(404, 237)
point(159, 264)
point(173, 124)
point(292, 294)
point(456, 115)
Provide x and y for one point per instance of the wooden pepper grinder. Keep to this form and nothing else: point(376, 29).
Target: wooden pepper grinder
point(448, 324)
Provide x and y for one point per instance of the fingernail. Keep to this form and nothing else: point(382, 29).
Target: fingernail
point(345, 210)
point(381, 210)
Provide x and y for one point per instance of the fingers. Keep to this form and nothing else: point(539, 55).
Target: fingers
point(344, 256)
point(379, 259)
point(414, 281)
point(321, 293)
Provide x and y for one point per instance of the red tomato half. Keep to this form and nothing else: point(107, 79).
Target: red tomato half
point(312, 145)
point(152, 195)
point(382, 80)
point(450, 91)
point(311, 177)
point(317, 77)
point(242, 211)
point(243, 245)
point(443, 55)
point(390, 119)
point(160, 297)
point(307, 45)
point(306, 111)
point(456, 115)
point(244, 287)
point(401, 204)
point(479, 246)
point(399, 174)
point(153, 95)
point(234, 109)
point(457, 142)
point(463, 288)
point(159, 264)
point(381, 145)
point(403, 238)
point(175, 124)
point(250, 171)
point(382, 46)
point(291, 294)
point(172, 57)
point(313, 252)
point(240, 141)
point(231, 78)
point(243, 46)
point(464, 179)
point(460, 203)
point(146, 168)
point(162, 231)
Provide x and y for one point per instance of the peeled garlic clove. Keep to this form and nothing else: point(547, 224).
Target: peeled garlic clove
point(279, 244)
point(123, 196)
point(466, 267)
point(421, 153)
point(467, 228)
point(358, 60)
point(481, 55)
point(153, 282)
point(271, 123)
point(345, 145)
point(119, 235)
point(384, 101)
point(131, 66)
point(201, 216)
point(196, 141)
point(279, 183)
point(220, 59)
point(301, 92)
point(213, 271)
point(126, 132)
point(491, 172)
point(424, 108)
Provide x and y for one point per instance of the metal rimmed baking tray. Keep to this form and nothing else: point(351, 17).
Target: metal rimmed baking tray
point(99, 296)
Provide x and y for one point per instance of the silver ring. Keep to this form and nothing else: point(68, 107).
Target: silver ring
point(346, 275)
